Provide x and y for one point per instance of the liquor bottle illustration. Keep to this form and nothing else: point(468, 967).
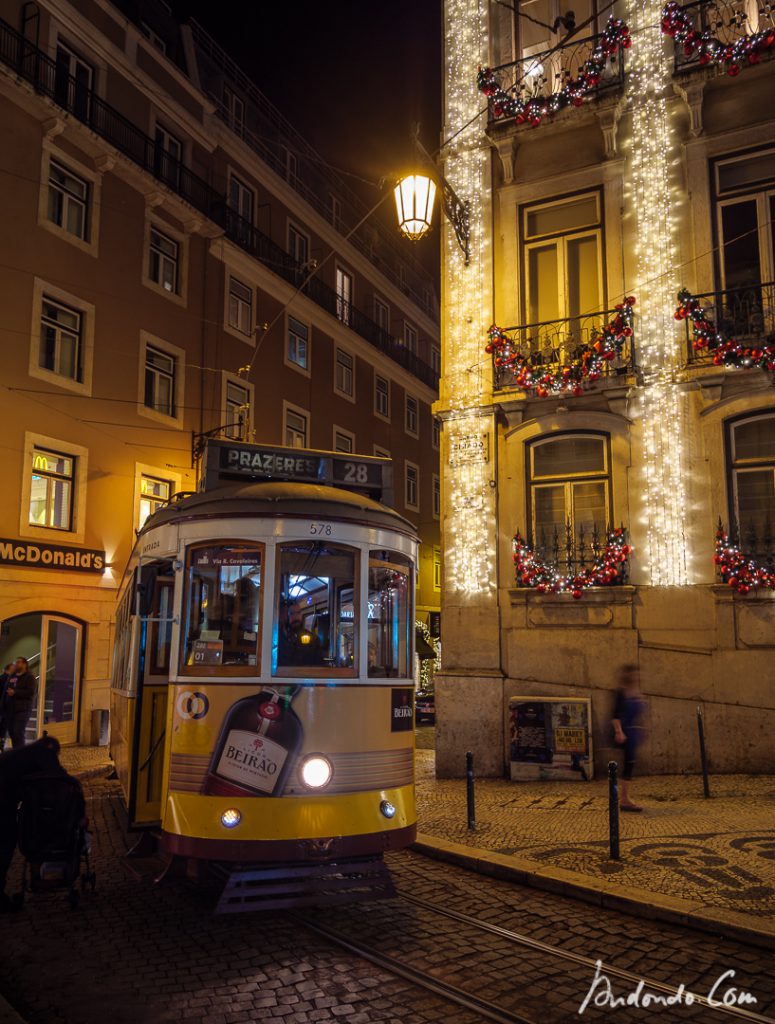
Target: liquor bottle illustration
point(256, 750)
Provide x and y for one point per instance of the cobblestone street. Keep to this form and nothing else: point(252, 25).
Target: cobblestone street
point(134, 953)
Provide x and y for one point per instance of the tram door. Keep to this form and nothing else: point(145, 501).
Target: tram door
point(152, 690)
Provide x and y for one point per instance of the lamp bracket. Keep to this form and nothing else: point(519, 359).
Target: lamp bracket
point(458, 212)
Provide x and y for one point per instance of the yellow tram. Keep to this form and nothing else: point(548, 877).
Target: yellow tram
point(262, 700)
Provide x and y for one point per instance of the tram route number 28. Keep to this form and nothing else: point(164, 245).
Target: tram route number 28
point(355, 473)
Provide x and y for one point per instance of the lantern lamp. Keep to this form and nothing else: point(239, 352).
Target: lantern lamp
point(415, 195)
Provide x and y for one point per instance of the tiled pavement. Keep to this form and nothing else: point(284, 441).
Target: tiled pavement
point(685, 858)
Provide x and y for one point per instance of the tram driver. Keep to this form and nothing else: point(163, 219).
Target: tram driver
point(298, 645)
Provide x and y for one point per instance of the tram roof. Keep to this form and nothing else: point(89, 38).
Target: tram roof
point(275, 499)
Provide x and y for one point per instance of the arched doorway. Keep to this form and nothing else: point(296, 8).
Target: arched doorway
point(52, 644)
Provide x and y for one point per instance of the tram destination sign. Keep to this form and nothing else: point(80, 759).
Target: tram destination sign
point(225, 462)
point(27, 555)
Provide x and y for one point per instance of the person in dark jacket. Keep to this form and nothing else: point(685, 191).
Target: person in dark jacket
point(4, 678)
point(19, 695)
point(629, 727)
point(15, 766)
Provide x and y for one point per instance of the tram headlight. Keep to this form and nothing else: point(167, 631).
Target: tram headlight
point(231, 818)
point(387, 809)
point(316, 771)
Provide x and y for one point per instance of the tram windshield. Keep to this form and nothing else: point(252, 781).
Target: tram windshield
point(316, 608)
point(223, 609)
point(390, 579)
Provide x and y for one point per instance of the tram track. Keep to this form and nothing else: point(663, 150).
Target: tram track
point(488, 1010)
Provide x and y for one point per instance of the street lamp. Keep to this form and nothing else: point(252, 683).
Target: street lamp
point(415, 194)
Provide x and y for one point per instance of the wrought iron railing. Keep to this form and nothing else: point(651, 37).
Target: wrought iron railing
point(570, 550)
point(542, 74)
point(727, 21)
point(745, 314)
point(754, 537)
point(52, 80)
point(553, 344)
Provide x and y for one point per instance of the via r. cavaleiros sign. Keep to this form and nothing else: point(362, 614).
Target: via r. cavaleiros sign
point(27, 555)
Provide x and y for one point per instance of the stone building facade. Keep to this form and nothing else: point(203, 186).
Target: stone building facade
point(614, 162)
point(177, 261)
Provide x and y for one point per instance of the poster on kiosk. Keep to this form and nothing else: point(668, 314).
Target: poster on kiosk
point(549, 738)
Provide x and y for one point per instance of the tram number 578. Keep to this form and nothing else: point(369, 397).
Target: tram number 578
point(321, 529)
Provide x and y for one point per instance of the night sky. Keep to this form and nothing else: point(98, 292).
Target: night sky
point(351, 75)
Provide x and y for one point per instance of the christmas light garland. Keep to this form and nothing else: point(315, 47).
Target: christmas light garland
point(615, 36)
point(737, 571)
point(677, 24)
point(424, 672)
point(588, 365)
point(608, 571)
point(725, 351)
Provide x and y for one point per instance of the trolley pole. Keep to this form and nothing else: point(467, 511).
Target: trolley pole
point(613, 811)
point(703, 753)
point(470, 790)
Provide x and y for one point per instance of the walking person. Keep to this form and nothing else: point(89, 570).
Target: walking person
point(19, 695)
point(4, 678)
point(629, 727)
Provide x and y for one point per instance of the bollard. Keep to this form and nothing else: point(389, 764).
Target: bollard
point(470, 790)
point(613, 811)
point(703, 753)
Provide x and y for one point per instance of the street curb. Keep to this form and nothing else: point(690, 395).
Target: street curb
point(90, 773)
point(630, 900)
point(8, 1015)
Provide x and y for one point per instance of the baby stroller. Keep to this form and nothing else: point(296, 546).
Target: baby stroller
point(52, 836)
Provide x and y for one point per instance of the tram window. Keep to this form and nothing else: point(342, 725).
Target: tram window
point(223, 610)
point(160, 632)
point(316, 626)
point(390, 590)
point(122, 668)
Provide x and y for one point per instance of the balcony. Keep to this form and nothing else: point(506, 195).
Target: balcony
point(745, 314)
point(43, 74)
point(729, 22)
point(541, 75)
point(555, 346)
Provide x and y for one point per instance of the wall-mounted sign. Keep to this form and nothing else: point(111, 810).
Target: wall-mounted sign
point(50, 556)
point(549, 738)
point(467, 448)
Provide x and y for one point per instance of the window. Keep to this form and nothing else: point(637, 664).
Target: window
point(411, 420)
point(344, 295)
point(752, 456)
point(298, 245)
point(73, 81)
point(68, 200)
point(344, 373)
point(154, 494)
point(316, 628)
point(167, 157)
point(389, 646)
point(237, 402)
point(291, 166)
point(381, 453)
point(569, 495)
point(562, 261)
point(241, 199)
point(153, 37)
point(436, 359)
point(382, 396)
point(746, 228)
point(436, 428)
point(334, 211)
point(344, 441)
point(60, 339)
point(298, 343)
point(235, 110)
point(221, 634)
point(159, 393)
point(382, 315)
point(412, 487)
point(437, 568)
point(436, 497)
point(410, 338)
point(240, 307)
point(163, 261)
point(296, 428)
point(51, 493)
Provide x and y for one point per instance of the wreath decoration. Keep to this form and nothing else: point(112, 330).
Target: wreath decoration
point(725, 351)
point(609, 570)
point(677, 24)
